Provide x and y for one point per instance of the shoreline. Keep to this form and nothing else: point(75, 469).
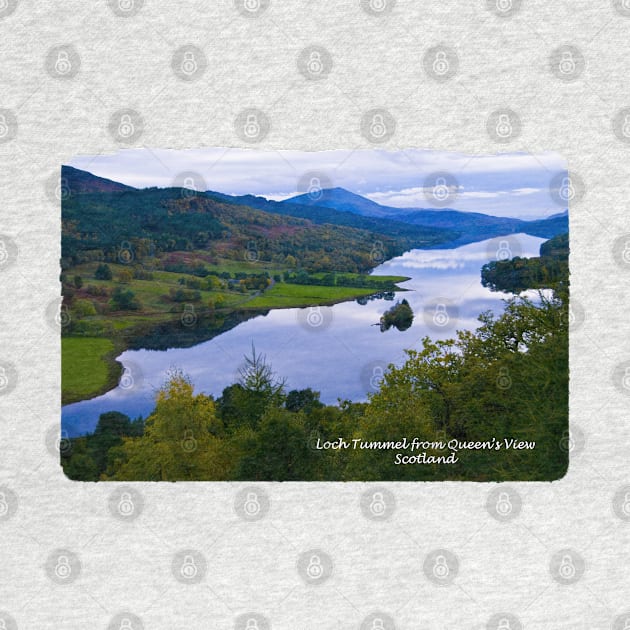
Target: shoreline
point(124, 342)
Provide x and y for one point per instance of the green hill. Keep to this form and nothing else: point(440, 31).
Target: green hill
point(98, 224)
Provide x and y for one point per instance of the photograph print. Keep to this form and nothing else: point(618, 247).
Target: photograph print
point(368, 315)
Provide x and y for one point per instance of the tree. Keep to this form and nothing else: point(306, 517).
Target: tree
point(508, 379)
point(88, 457)
point(103, 272)
point(400, 316)
point(258, 388)
point(78, 282)
point(125, 276)
point(400, 408)
point(213, 283)
point(110, 430)
point(78, 464)
point(258, 376)
point(303, 399)
point(278, 451)
point(180, 440)
point(549, 270)
point(113, 423)
point(83, 308)
point(124, 300)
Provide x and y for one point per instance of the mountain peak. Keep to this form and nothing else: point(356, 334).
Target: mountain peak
point(78, 181)
point(341, 199)
point(338, 190)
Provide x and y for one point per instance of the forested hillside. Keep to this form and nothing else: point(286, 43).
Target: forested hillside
point(170, 267)
point(153, 221)
point(419, 235)
point(551, 268)
point(75, 182)
point(467, 226)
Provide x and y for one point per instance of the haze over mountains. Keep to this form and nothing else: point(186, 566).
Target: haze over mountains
point(471, 224)
point(345, 201)
point(339, 206)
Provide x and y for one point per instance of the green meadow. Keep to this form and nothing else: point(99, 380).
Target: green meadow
point(284, 295)
point(99, 327)
point(87, 368)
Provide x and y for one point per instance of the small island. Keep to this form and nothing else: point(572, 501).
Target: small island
point(400, 316)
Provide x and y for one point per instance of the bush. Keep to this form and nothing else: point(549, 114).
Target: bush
point(142, 274)
point(125, 276)
point(103, 272)
point(96, 291)
point(124, 300)
point(184, 295)
point(83, 308)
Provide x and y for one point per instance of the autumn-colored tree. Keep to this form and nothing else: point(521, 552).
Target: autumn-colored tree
point(125, 276)
point(180, 440)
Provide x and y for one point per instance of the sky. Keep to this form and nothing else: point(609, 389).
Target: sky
point(507, 184)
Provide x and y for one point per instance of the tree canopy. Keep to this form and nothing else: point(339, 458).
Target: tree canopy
point(508, 379)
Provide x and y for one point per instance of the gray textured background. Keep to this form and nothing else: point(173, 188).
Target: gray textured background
point(126, 567)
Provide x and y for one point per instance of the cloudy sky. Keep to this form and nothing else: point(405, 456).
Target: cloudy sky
point(509, 184)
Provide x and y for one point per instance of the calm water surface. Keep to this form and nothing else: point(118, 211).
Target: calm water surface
point(335, 350)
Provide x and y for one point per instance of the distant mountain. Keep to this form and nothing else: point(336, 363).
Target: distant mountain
point(425, 228)
point(344, 200)
point(548, 228)
point(79, 182)
point(422, 235)
point(472, 226)
point(564, 213)
point(155, 222)
point(448, 218)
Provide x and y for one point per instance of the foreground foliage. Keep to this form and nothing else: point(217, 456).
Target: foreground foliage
point(509, 379)
point(506, 380)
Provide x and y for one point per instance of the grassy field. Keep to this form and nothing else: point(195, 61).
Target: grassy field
point(295, 295)
point(87, 367)
point(152, 294)
point(385, 279)
point(88, 353)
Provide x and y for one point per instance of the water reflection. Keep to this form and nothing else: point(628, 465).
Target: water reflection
point(400, 316)
point(344, 357)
